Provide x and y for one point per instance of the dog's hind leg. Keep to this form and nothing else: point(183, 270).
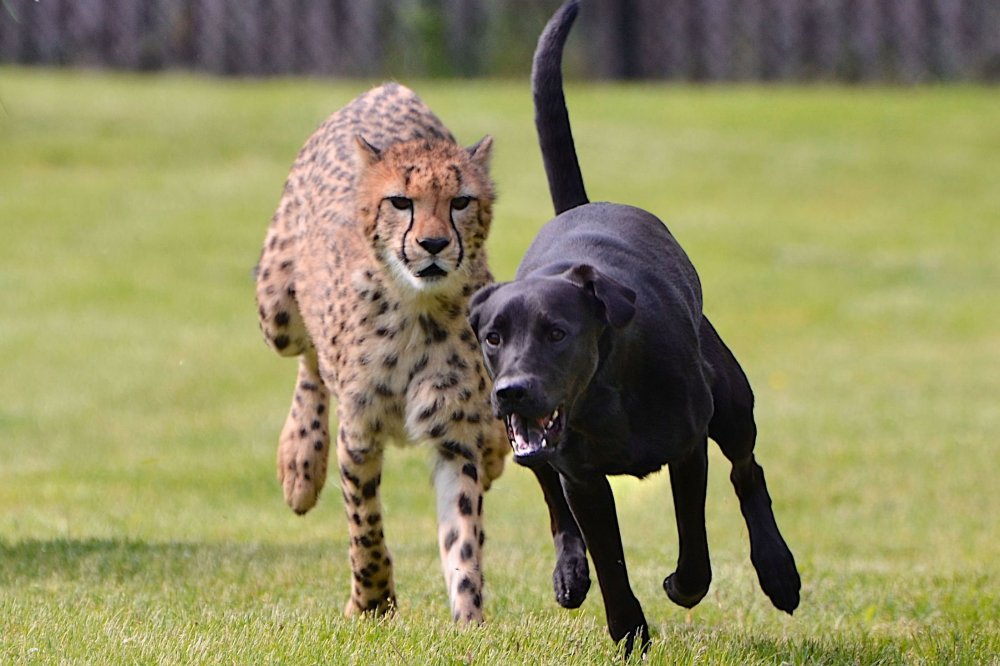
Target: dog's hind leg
point(571, 576)
point(775, 565)
point(733, 428)
point(688, 479)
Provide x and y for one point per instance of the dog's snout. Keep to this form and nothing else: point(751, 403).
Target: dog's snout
point(511, 392)
point(522, 395)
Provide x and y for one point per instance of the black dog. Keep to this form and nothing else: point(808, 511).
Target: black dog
point(604, 364)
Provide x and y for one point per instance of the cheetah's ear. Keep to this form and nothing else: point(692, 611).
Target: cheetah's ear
point(481, 152)
point(367, 153)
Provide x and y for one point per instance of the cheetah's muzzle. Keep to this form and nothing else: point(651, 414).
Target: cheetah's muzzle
point(431, 272)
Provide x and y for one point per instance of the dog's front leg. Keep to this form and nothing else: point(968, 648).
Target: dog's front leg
point(688, 481)
point(593, 506)
point(571, 576)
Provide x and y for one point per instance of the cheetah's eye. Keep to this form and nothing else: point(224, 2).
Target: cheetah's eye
point(460, 203)
point(493, 338)
point(401, 203)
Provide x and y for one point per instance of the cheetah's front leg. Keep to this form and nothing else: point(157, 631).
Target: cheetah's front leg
point(458, 480)
point(304, 445)
point(450, 411)
point(360, 459)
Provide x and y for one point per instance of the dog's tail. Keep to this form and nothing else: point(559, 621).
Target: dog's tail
point(551, 117)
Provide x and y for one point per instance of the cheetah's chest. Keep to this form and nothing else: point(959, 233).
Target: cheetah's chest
point(393, 359)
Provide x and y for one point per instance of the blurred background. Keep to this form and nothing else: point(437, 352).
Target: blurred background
point(698, 40)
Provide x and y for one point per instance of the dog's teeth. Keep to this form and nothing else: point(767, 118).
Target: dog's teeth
point(555, 415)
point(544, 443)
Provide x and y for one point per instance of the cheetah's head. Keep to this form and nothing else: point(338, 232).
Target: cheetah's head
point(427, 206)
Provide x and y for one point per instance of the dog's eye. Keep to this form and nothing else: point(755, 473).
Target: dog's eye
point(460, 203)
point(401, 203)
point(557, 335)
point(493, 338)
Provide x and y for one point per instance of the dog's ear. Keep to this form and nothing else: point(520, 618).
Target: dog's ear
point(617, 299)
point(476, 304)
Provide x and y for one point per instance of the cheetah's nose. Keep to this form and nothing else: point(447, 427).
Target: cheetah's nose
point(434, 244)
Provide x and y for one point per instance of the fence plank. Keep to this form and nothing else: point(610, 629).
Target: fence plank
point(747, 32)
point(990, 66)
point(280, 41)
point(679, 39)
point(611, 21)
point(12, 30)
point(946, 56)
point(124, 29)
point(318, 38)
point(908, 40)
point(244, 37)
point(83, 34)
point(44, 19)
point(826, 38)
point(652, 27)
point(863, 48)
point(715, 52)
point(359, 27)
point(990, 46)
point(781, 40)
point(178, 33)
point(210, 35)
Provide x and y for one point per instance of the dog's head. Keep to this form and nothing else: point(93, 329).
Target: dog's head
point(540, 339)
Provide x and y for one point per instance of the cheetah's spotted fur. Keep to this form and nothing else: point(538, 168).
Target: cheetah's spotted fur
point(365, 275)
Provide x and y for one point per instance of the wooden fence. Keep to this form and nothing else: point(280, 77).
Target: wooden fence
point(711, 40)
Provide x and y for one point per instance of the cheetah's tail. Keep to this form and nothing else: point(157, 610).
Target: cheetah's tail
point(555, 136)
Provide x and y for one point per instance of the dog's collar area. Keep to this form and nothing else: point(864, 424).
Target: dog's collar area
point(534, 438)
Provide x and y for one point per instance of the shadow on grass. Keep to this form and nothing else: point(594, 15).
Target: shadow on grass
point(122, 559)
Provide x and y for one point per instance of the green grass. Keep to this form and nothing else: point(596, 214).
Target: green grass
point(849, 245)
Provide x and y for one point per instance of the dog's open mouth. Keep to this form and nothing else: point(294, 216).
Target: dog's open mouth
point(534, 438)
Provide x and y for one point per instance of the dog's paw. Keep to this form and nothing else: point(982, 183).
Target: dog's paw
point(571, 580)
point(778, 576)
point(681, 597)
point(627, 626)
point(638, 638)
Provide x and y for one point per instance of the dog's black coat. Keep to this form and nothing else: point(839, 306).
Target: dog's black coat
point(603, 363)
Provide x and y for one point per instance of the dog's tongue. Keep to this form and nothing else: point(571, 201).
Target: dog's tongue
point(528, 436)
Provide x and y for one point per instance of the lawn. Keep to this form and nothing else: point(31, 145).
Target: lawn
point(848, 242)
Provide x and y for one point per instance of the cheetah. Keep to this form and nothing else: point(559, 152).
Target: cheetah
point(365, 276)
